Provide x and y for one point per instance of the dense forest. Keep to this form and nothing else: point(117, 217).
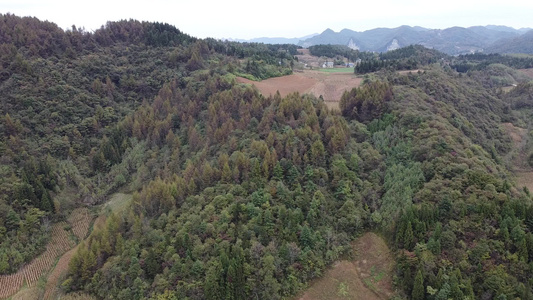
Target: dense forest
point(237, 195)
point(407, 58)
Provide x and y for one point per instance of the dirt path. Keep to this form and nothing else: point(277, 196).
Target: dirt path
point(59, 271)
point(369, 276)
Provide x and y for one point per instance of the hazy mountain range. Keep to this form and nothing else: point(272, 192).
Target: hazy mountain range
point(453, 40)
point(275, 40)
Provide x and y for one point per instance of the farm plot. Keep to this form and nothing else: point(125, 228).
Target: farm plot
point(59, 244)
point(80, 220)
point(30, 273)
point(10, 284)
point(330, 86)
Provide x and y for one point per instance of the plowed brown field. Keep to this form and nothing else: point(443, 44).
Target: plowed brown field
point(330, 86)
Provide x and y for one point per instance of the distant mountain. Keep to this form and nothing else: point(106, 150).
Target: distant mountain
point(275, 40)
point(454, 40)
point(519, 44)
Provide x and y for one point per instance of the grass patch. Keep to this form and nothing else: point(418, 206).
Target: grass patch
point(118, 202)
point(342, 289)
point(338, 70)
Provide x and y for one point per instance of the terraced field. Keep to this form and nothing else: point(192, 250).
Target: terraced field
point(62, 240)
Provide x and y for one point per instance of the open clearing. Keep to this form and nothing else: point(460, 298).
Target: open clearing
point(338, 70)
point(116, 204)
point(328, 83)
point(527, 72)
point(518, 156)
point(368, 276)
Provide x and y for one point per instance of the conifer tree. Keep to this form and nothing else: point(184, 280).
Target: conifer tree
point(418, 287)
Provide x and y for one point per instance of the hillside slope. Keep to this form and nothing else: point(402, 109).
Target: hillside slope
point(240, 195)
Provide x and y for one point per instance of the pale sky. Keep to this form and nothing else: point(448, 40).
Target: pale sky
point(277, 18)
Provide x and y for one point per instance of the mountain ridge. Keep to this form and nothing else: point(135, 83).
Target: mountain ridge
point(453, 40)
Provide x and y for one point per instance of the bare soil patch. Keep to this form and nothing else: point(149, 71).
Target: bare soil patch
point(80, 220)
point(516, 133)
point(368, 276)
point(409, 71)
point(330, 86)
point(527, 72)
point(305, 57)
point(525, 179)
point(285, 84)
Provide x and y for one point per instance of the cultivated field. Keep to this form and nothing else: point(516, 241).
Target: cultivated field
point(61, 241)
point(30, 273)
point(369, 276)
point(330, 86)
point(80, 220)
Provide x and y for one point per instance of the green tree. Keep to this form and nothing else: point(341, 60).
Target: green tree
point(418, 287)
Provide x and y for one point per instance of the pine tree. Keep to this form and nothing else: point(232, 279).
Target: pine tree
point(278, 172)
point(408, 237)
point(212, 288)
point(522, 249)
point(418, 287)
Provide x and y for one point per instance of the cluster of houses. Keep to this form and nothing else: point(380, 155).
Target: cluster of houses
point(329, 64)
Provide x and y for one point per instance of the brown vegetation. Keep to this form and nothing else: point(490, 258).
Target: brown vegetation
point(375, 264)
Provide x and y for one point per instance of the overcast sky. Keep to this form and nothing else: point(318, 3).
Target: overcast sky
point(277, 18)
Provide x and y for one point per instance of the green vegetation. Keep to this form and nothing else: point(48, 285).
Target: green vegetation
point(62, 95)
point(408, 58)
point(239, 196)
point(337, 70)
point(333, 51)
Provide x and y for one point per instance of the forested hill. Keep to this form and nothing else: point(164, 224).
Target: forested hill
point(241, 196)
point(63, 92)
